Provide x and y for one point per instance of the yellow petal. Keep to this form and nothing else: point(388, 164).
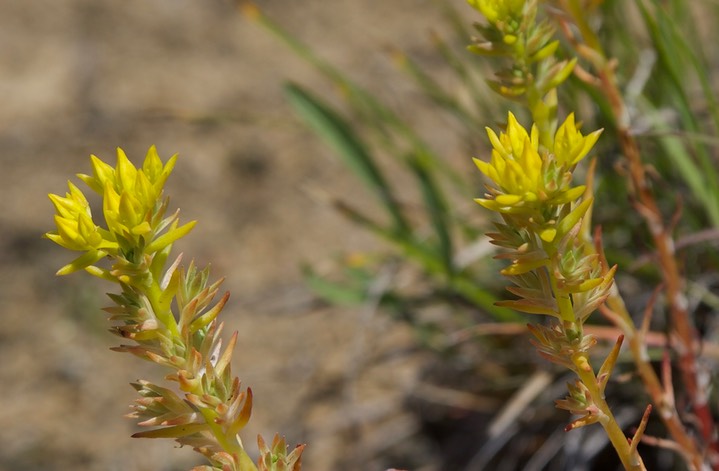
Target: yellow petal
point(88, 231)
point(497, 143)
point(103, 173)
point(489, 204)
point(126, 173)
point(67, 230)
point(487, 169)
point(142, 228)
point(508, 199)
point(152, 166)
point(65, 207)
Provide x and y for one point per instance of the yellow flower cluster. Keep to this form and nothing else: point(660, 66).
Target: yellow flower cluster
point(130, 195)
point(75, 227)
point(132, 207)
point(570, 146)
point(499, 10)
point(542, 216)
point(525, 174)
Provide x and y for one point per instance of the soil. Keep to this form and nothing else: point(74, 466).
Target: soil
point(81, 77)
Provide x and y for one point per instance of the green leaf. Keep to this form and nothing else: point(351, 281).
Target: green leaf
point(170, 237)
point(174, 431)
point(573, 218)
point(83, 261)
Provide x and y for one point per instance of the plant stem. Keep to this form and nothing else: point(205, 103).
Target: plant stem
point(542, 108)
point(686, 334)
point(229, 444)
point(630, 459)
point(648, 208)
point(616, 311)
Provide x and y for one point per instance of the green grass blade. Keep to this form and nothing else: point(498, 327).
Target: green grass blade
point(483, 101)
point(438, 212)
point(341, 293)
point(333, 129)
point(695, 165)
point(395, 134)
point(438, 94)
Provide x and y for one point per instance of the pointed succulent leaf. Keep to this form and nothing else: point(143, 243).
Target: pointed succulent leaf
point(573, 218)
point(125, 173)
point(170, 237)
point(544, 52)
point(606, 370)
point(83, 261)
point(530, 306)
point(243, 415)
point(275, 457)
point(174, 431)
point(559, 74)
point(152, 165)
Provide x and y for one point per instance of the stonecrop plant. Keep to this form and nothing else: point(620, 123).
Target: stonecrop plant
point(165, 311)
point(557, 267)
point(641, 71)
point(553, 266)
point(540, 189)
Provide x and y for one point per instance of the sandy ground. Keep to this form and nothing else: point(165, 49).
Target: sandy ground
point(86, 76)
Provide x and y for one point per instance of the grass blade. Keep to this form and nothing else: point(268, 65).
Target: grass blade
point(333, 129)
point(438, 212)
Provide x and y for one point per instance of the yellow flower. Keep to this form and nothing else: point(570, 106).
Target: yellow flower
point(569, 145)
point(77, 231)
point(515, 167)
point(146, 183)
point(499, 10)
point(131, 196)
point(75, 227)
point(125, 214)
point(132, 206)
point(527, 176)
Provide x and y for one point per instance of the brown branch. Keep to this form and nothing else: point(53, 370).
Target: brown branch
point(685, 334)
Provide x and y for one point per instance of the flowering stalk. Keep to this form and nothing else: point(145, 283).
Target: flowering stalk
point(552, 272)
point(167, 313)
point(556, 269)
point(587, 45)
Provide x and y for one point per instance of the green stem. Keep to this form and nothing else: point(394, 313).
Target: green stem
point(246, 463)
point(630, 458)
point(544, 113)
point(229, 444)
point(161, 305)
point(617, 313)
point(542, 106)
